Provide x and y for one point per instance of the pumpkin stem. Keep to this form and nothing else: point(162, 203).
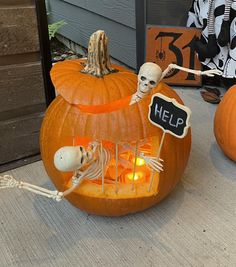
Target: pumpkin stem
point(98, 62)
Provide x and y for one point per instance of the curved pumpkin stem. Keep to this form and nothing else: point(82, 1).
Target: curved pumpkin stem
point(98, 62)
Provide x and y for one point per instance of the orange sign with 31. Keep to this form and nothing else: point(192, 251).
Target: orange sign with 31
point(174, 45)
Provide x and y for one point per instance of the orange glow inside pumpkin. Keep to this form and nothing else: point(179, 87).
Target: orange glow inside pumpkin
point(139, 161)
point(137, 177)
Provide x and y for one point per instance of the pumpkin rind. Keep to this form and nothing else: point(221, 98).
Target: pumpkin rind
point(225, 124)
point(63, 121)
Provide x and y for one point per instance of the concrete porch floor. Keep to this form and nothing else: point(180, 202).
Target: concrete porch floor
point(194, 226)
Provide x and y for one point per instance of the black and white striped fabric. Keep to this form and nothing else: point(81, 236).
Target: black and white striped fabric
point(211, 17)
point(225, 60)
point(228, 4)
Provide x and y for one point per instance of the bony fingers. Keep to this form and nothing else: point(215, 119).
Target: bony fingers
point(154, 158)
point(157, 161)
point(212, 73)
point(159, 169)
point(219, 72)
point(215, 71)
point(156, 166)
point(207, 72)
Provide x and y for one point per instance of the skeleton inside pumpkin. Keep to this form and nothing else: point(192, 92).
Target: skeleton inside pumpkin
point(92, 162)
point(86, 163)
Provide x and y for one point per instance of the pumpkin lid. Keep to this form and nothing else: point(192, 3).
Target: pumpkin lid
point(94, 81)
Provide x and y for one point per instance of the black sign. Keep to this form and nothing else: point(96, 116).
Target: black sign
point(169, 115)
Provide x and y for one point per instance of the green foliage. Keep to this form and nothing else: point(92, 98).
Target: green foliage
point(54, 27)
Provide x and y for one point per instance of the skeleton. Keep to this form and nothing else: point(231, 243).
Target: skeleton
point(150, 74)
point(85, 163)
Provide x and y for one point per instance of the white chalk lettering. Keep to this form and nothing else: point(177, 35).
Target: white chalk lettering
point(158, 111)
point(171, 124)
point(165, 115)
point(170, 116)
point(179, 122)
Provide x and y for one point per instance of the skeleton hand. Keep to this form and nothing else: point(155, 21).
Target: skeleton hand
point(7, 181)
point(211, 73)
point(134, 99)
point(152, 162)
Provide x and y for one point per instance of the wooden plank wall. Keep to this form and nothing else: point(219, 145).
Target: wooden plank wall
point(83, 17)
point(22, 99)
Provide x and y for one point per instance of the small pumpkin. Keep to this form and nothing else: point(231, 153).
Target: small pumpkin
point(94, 105)
point(225, 123)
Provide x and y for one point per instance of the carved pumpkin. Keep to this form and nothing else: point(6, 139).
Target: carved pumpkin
point(224, 123)
point(94, 105)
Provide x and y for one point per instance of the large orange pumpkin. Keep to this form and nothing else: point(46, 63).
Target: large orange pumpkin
point(225, 123)
point(94, 105)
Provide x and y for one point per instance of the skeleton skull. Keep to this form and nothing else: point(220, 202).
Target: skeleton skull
point(70, 158)
point(148, 77)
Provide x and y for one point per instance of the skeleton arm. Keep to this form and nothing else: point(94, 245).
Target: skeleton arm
point(7, 181)
point(91, 172)
point(209, 73)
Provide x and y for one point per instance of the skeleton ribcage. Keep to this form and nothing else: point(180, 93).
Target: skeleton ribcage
point(99, 165)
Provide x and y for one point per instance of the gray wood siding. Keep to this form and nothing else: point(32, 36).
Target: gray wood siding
point(168, 12)
point(117, 18)
point(121, 11)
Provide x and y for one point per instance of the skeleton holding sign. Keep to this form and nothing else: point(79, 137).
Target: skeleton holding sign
point(150, 74)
